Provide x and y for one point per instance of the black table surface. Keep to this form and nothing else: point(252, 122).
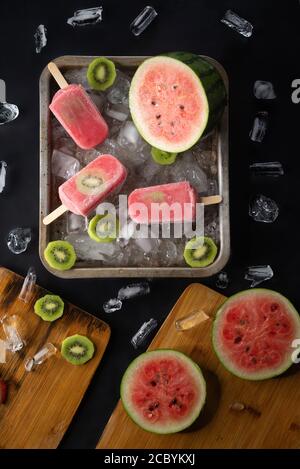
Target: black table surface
point(272, 53)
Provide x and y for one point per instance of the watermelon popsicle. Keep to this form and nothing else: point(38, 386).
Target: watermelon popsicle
point(174, 202)
point(77, 113)
point(85, 190)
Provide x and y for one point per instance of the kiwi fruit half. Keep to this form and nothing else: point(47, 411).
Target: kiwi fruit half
point(77, 349)
point(60, 255)
point(49, 307)
point(163, 157)
point(90, 182)
point(200, 251)
point(104, 228)
point(101, 73)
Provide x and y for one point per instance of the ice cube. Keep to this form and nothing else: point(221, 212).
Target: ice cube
point(272, 168)
point(18, 240)
point(66, 145)
point(186, 168)
point(86, 17)
point(117, 111)
point(40, 357)
point(237, 23)
point(129, 138)
point(76, 223)
point(118, 92)
point(133, 290)
point(143, 332)
point(3, 166)
point(99, 99)
point(212, 230)
point(222, 280)
point(2, 91)
point(86, 156)
point(263, 209)
point(87, 249)
point(64, 165)
point(147, 245)
point(258, 273)
point(112, 305)
point(40, 37)
point(167, 252)
point(28, 286)
point(191, 320)
point(13, 338)
point(264, 90)
point(8, 113)
point(142, 21)
point(77, 76)
point(3, 348)
point(260, 124)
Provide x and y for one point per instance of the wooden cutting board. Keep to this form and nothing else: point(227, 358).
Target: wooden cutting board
point(271, 418)
point(41, 403)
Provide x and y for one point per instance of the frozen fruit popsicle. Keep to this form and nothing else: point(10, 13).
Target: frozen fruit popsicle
point(90, 186)
point(77, 113)
point(167, 202)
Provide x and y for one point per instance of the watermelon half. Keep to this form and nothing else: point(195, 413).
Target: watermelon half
point(163, 391)
point(176, 98)
point(253, 333)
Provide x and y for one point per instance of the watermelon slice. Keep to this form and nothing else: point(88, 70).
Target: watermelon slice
point(176, 98)
point(253, 333)
point(163, 391)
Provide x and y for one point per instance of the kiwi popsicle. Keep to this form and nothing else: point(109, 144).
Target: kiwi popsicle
point(79, 116)
point(179, 194)
point(90, 186)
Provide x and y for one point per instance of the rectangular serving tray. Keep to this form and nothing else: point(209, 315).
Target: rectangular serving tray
point(48, 202)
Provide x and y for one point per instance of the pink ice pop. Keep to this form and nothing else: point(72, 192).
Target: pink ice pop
point(173, 202)
point(90, 186)
point(79, 116)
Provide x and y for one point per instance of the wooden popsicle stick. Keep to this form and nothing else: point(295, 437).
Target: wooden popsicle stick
point(55, 214)
point(211, 200)
point(57, 75)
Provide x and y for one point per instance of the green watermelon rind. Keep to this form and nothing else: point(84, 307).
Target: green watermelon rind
point(202, 385)
point(262, 374)
point(212, 89)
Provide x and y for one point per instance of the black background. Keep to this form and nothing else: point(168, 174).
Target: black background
point(194, 25)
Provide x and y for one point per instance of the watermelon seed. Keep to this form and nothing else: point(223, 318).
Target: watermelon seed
point(181, 106)
point(153, 103)
point(247, 348)
point(274, 307)
point(237, 340)
point(172, 123)
point(158, 116)
point(153, 383)
point(175, 87)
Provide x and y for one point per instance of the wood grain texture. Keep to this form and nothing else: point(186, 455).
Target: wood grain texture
point(41, 404)
point(271, 418)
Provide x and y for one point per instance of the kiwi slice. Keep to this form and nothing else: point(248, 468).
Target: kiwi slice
point(200, 251)
point(163, 157)
point(77, 349)
point(49, 307)
point(90, 182)
point(101, 73)
point(104, 228)
point(60, 255)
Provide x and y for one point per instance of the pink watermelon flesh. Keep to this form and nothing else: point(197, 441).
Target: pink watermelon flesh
point(168, 104)
point(163, 391)
point(253, 333)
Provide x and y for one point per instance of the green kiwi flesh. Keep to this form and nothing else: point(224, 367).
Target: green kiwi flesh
point(49, 307)
point(200, 251)
point(60, 255)
point(103, 228)
point(163, 157)
point(101, 73)
point(77, 349)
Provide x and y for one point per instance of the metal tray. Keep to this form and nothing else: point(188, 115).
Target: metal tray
point(49, 201)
